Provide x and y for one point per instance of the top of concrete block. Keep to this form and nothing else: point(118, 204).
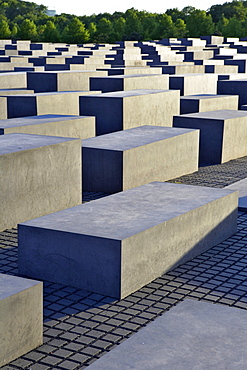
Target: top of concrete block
point(223, 114)
point(127, 213)
point(205, 96)
point(31, 120)
point(128, 93)
point(192, 335)
point(10, 285)
point(133, 138)
point(12, 143)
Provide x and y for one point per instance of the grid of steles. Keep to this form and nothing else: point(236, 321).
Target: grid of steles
point(81, 326)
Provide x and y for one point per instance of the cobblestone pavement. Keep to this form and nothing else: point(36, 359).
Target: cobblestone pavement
point(80, 326)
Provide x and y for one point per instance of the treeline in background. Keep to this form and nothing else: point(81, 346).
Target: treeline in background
point(28, 21)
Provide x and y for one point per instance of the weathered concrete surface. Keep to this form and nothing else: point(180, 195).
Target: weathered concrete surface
point(192, 335)
point(234, 87)
point(207, 102)
point(126, 159)
point(122, 110)
point(13, 80)
point(62, 102)
point(129, 82)
point(21, 316)
point(38, 175)
point(51, 124)
point(117, 244)
point(61, 80)
point(241, 186)
point(191, 84)
point(223, 134)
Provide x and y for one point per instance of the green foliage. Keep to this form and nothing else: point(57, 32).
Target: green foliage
point(75, 32)
point(28, 20)
point(198, 23)
point(50, 32)
point(5, 32)
point(27, 30)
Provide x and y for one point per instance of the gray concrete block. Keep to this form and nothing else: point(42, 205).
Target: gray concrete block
point(192, 84)
point(117, 244)
point(61, 80)
point(3, 107)
point(51, 124)
point(223, 134)
point(234, 87)
point(207, 102)
point(241, 186)
point(62, 102)
point(38, 175)
point(21, 316)
point(13, 80)
point(126, 159)
point(122, 110)
point(182, 69)
point(129, 82)
point(192, 335)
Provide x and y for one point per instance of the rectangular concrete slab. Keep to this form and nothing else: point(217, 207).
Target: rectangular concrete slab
point(234, 87)
point(223, 134)
point(192, 335)
point(191, 84)
point(117, 244)
point(207, 102)
point(126, 159)
point(38, 175)
point(62, 102)
point(82, 127)
point(61, 80)
point(122, 110)
point(21, 316)
point(241, 186)
point(129, 82)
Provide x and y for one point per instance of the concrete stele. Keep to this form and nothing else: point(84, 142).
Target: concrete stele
point(21, 316)
point(117, 244)
point(192, 335)
point(126, 159)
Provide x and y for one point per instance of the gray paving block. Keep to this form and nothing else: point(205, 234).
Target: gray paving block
point(122, 110)
point(38, 175)
point(241, 186)
point(21, 316)
point(119, 243)
point(207, 102)
point(191, 335)
point(51, 124)
point(126, 159)
point(223, 134)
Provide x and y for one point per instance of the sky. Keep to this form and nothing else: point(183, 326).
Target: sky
point(80, 7)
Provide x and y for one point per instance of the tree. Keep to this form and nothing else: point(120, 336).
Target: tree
point(133, 23)
point(180, 28)
point(75, 32)
point(104, 30)
point(198, 24)
point(119, 28)
point(28, 30)
point(165, 27)
point(233, 28)
point(50, 32)
point(92, 29)
point(5, 32)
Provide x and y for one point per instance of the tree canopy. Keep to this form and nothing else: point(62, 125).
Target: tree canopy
point(22, 20)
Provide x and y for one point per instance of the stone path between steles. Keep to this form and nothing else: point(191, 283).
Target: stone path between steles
point(80, 326)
